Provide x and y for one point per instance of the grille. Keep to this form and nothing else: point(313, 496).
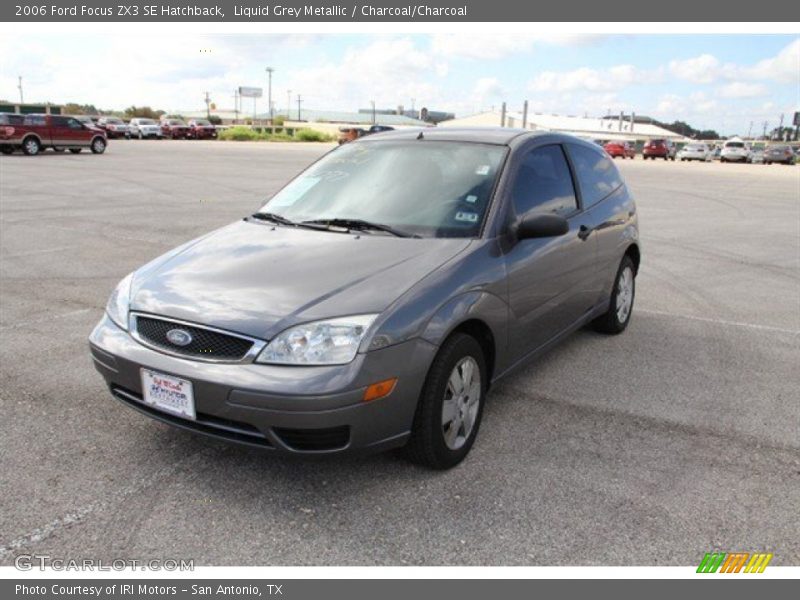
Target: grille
point(204, 344)
point(331, 438)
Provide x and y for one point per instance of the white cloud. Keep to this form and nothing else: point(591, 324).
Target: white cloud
point(740, 89)
point(487, 89)
point(673, 106)
point(491, 46)
point(781, 68)
point(386, 71)
point(700, 69)
point(592, 80)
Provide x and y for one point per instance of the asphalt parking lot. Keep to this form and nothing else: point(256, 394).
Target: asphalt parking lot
point(651, 448)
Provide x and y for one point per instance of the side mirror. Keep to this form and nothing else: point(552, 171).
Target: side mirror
point(541, 226)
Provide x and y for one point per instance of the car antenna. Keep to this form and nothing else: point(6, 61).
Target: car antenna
point(420, 136)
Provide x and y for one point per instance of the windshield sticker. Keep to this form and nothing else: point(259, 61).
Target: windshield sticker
point(293, 192)
point(483, 170)
point(469, 217)
point(471, 199)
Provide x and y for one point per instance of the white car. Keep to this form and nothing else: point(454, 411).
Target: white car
point(735, 150)
point(695, 152)
point(144, 128)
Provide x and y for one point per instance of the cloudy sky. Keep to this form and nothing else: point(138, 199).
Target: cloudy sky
point(712, 81)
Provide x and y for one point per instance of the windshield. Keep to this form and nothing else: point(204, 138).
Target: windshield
point(734, 145)
point(201, 122)
point(114, 121)
point(430, 189)
point(146, 122)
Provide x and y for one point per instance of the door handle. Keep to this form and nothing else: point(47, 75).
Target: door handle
point(584, 232)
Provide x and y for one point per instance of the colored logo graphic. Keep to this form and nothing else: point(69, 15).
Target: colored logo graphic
point(734, 562)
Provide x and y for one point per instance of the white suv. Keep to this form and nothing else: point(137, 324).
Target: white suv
point(144, 128)
point(734, 150)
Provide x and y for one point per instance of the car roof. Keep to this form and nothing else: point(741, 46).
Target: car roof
point(479, 135)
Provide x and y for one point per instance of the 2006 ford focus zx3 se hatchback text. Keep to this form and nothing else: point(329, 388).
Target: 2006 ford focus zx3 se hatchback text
point(371, 303)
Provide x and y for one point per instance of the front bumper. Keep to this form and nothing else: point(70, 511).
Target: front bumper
point(291, 410)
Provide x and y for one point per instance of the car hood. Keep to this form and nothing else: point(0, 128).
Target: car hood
point(257, 279)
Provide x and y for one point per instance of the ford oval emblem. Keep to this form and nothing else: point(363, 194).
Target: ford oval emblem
point(179, 337)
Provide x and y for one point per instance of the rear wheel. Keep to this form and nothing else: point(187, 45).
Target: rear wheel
point(616, 319)
point(451, 405)
point(31, 146)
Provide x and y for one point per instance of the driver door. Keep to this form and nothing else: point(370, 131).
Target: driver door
point(550, 280)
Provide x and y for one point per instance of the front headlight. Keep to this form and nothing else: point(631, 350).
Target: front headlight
point(118, 303)
point(329, 342)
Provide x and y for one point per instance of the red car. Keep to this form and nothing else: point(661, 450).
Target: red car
point(659, 149)
point(201, 129)
point(623, 149)
point(33, 133)
point(174, 128)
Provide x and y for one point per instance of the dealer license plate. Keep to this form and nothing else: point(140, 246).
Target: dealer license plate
point(168, 393)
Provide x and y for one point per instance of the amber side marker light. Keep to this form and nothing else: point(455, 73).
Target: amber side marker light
point(380, 389)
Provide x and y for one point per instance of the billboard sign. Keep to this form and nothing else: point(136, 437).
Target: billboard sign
point(250, 92)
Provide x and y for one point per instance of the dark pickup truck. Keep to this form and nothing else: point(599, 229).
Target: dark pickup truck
point(33, 133)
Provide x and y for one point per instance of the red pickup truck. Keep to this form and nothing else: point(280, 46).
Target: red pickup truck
point(33, 133)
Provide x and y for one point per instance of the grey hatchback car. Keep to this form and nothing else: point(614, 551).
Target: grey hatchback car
point(371, 303)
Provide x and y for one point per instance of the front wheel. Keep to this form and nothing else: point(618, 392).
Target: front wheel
point(6, 149)
point(620, 308)
point(98, 145)
point(451, 405)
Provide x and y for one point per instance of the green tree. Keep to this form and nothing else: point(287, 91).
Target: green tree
point(143, 112)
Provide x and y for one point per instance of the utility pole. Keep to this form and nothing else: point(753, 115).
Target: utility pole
point(412, 104)
point(21, 99)
point(236, 104)
point(269, 70)
point(373, 111)
point(208, 106)
point(288, 104)
point(765, 130)
point(750, 131)
point(299, 101)
point(503, 115)
point(525, 115)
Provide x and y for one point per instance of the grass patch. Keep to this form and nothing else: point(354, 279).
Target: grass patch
point(240, 133)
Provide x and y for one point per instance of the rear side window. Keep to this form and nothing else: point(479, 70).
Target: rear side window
point(544, 184)
point(59, 121)
point(35, 120)
point(596, 173)
point(11, 119)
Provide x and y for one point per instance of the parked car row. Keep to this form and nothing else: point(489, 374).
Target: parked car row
point(31, 134)
point(733, 150)
point(349, 134)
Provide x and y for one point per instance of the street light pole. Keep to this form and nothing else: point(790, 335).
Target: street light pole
point(21, 100)
point(270, 70)
point(288, 104)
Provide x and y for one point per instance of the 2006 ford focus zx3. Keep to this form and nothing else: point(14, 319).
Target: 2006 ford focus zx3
point(371, 303)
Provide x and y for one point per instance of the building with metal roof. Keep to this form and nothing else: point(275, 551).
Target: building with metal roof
point(604, 128)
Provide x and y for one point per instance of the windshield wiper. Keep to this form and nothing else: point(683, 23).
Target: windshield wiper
point(275, 218)
point(359, 225)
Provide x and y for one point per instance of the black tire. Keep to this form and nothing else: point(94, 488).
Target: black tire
point(6, 150)
point(98, 145)
point(31, 146)
point(59, 150)
point(75, 150)
point(610, 322)
point(427, 445)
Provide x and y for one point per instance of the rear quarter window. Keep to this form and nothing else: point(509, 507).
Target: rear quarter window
point(11, 119)
point(596, 173)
